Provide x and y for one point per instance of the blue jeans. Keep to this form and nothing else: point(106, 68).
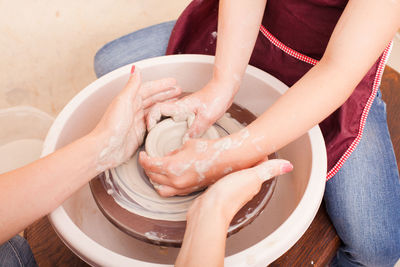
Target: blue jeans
point(363, 199)
point(16, 253)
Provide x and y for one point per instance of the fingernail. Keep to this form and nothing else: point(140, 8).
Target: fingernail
point(286, 167)
point(133, 69)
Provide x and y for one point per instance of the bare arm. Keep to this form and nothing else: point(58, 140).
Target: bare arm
point(363, 31)
point(35, 190)
point(238, 28)
point(28, 193)
point(360, 36)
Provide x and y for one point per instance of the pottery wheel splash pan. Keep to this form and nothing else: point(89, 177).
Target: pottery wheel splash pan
point(166, 232)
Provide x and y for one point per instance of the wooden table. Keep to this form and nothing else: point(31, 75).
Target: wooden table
point(316, 247)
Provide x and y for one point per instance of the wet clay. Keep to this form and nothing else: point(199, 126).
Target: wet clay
point(132, 189)
point(128, 199)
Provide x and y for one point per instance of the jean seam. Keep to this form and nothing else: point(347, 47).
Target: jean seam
point(16, 253)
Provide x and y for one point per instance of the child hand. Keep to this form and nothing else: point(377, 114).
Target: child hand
point(197, 164)
point(185, 170)
point(206, 106)
point(122, 128)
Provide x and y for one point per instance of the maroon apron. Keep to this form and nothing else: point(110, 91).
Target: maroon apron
point(292, 38)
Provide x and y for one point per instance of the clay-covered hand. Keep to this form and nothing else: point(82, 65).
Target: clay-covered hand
point(187, 169)
point(198, 163)
point(216, 207)
point(122, 128)
point(206, 106)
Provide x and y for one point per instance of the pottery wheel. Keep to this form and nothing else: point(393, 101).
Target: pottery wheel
point(127, 198)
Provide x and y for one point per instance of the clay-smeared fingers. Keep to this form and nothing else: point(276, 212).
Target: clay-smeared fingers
point(169, 191)
point(168, 93)
point(161, 109)
point(150, 88)
point(149, 164)
point(198, 127)
point(166, 191)
point(158, 178)
point(154, 169)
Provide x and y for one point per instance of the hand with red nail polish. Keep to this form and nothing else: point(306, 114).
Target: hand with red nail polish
point(216, 207)
point(122, 128)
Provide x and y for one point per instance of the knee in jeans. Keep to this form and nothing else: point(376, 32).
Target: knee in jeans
point(101, 61)
point(376, 250)
point(16, 252)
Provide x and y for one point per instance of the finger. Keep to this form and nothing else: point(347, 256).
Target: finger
point(158, 180)
point(169, 191)
point(172, 92)
point(153, 169)
point(153, 116)
point(170, 100)
point(132, 86)
point(198, 127)
point(272, 168)
point(150, 164)
point(148, 89)
point(169, 109)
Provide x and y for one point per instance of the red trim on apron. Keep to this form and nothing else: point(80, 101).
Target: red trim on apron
point(286, 49)
point(376, 84)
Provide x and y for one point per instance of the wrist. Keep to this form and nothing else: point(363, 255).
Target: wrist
point(227, 77)
point(234, 147)
point(211, 209)
point(95, 143)
point(229, 84)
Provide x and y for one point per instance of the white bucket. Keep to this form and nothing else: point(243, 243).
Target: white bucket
point(23, 130)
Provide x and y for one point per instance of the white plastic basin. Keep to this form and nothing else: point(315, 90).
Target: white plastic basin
point(83, 228)
point(23, 130)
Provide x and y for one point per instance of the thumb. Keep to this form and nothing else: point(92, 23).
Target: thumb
point(133, 84)
point(272, 168)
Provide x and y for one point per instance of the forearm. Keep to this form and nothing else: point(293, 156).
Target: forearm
point(349, 55)
point(35, 190)
point(303, 106)
point(204, 240)
point(238, 27)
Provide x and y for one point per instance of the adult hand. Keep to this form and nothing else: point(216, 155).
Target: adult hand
point(216, 207)
point(206, 106)
point(232, 192)
point(122, 128)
